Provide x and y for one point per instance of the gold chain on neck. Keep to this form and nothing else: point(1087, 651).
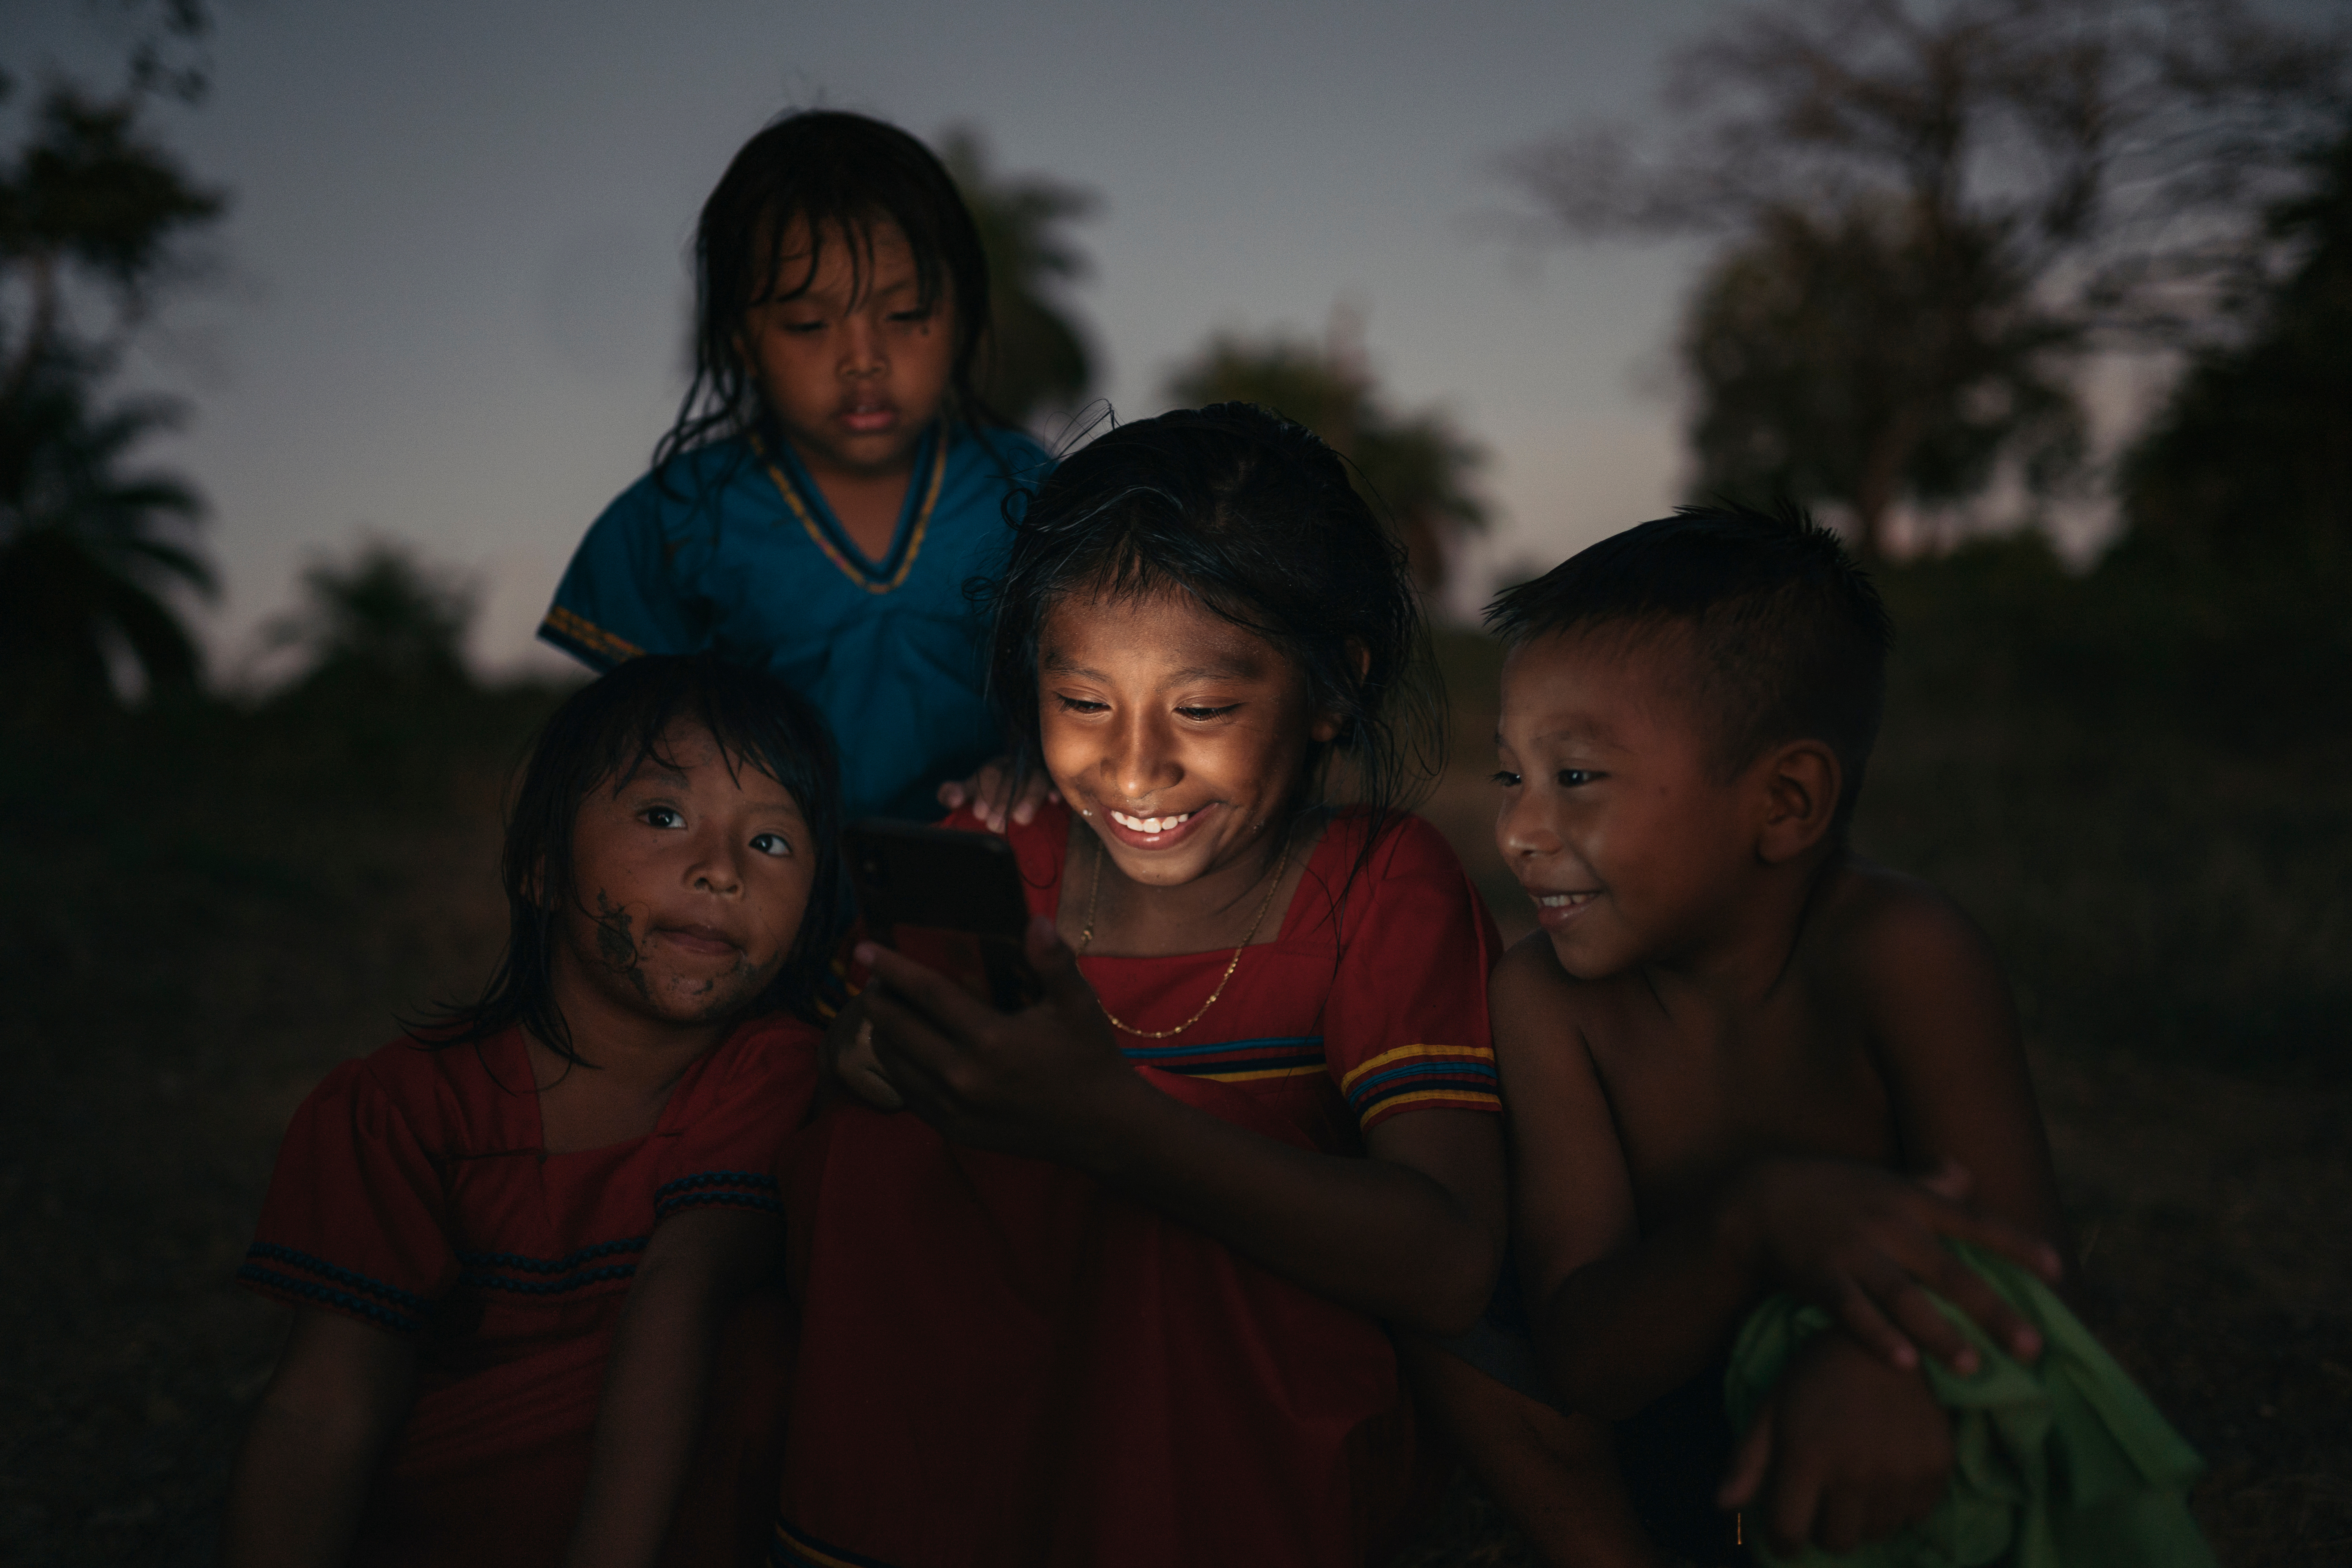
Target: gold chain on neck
point(1086, 937)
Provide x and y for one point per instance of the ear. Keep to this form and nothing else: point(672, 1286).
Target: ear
point(1800, 782)
point(1330, 721)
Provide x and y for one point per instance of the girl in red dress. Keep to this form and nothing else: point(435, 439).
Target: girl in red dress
point(528, 1250)
point(1115, 1291)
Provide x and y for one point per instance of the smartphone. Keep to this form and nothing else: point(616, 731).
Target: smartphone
point(952, 900)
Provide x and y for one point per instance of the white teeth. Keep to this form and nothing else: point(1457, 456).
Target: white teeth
point(1150, 824)
point(1563, 900)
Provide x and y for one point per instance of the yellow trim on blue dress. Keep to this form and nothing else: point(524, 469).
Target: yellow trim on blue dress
point(833, 552)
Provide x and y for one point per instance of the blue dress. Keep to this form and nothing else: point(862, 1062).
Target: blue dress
point(730, 548)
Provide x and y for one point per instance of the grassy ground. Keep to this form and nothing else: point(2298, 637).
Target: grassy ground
point(200, 913)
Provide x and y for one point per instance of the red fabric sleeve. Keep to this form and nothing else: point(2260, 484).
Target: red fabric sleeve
point(736, 1132)
point(1406, 1026)
point(356, 1218)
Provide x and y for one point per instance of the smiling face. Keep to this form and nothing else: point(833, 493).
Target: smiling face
point(1615, 819)
point(853, 374)
point(1182, 735)
point(691, 887)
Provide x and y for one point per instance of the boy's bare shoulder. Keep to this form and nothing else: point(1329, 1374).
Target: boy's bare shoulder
point(1888, 935)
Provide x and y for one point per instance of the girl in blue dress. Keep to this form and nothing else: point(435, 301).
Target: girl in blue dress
point(833, 480)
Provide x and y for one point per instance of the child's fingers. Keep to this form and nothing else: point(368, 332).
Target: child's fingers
point(861, 1070)
point(1950, 1181)
point(1915, 1311)
point(1035, 790)
point(916, 1056)
point(951, 794)
point(1964, 1288)
point(914, 985)
point(1749, 1460)
point(1999, 1235)
point(1863, 1319)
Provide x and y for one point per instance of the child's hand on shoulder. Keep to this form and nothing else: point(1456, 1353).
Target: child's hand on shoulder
point(1866, 1246)
point(1041, 1081)
point(999, 792)
point(1847, 1451)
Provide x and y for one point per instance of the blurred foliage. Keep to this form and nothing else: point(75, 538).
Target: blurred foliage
point(2245, 479)
point(382, 622)
point(1929, 209)
point(1416, 469)
point(2142, 802)
point(1825, 364)
point(91, 553)
point(88, 552)
point(1036, 358)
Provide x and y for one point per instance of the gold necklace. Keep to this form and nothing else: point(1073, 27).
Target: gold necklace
point(1086, 937)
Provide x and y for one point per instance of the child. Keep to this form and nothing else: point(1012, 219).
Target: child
point(1113, 1293)
point(514, 1243)
point(1740, 1060)
point(833, 478)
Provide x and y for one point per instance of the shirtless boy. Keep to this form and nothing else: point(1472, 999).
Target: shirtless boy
point(1738, 1058)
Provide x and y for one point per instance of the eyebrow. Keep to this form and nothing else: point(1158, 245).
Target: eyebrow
point(1581, 730)
point(1229, 669)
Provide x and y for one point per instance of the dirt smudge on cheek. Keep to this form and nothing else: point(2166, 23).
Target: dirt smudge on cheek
point(616, 943)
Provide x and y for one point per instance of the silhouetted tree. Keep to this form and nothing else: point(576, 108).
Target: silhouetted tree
point(382, 619)
point(1981, 189)
point(2248, 472)
point(88, 552)
point(1417, 468)
point(91, 211)
point(1036, 356)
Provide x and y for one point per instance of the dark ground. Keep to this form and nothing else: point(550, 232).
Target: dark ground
point(200, 913)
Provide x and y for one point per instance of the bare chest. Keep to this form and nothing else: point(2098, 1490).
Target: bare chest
point(1691, 1106)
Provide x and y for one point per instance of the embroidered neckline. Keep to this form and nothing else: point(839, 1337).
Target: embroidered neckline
point(822, 529)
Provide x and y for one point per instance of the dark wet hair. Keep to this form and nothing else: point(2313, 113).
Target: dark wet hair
point(810, 172)
point(1789, 633)
point(603, 733)
point(1253, 517)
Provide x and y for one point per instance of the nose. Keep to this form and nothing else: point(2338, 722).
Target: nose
point(717, 867)
point(1523, 827)
point(1140, 761)
point(862, 351)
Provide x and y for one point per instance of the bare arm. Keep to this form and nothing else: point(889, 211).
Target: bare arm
point(1414, 1234)
point(333, 1406)
point(1620, 1319)
point(657, 1384)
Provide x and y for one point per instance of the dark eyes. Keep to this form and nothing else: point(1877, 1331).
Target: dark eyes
point(1081, 705)
point(775, 844)
point(661, 817)
point(1198, 714)
point(1567, 778)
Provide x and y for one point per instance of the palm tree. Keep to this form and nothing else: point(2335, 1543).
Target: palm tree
point(89, 554)
point(1036, 357)
point(1415, 468)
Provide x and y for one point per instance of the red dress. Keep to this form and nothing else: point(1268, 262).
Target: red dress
point(413, 1193)
point(1006, 1362)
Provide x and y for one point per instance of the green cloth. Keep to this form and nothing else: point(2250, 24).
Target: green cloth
point(2061, 1464)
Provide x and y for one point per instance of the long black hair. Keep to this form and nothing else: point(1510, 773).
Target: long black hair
point(1253, 517)
point(601, 735)
point(806, 175)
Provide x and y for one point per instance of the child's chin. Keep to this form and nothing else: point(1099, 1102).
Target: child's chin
point(1580, 962)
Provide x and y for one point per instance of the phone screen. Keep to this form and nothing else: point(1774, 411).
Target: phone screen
point(951, 900)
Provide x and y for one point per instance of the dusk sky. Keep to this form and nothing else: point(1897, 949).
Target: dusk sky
point(448, 302)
